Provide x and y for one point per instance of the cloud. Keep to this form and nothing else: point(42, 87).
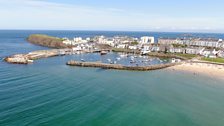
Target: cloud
point(43, 14)
point(39, 14)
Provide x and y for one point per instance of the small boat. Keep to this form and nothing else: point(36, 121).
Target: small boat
point(123, 55)
point(173, 60)
point(30, 61)
point(132, 61)
point(132, 57)
point(103, 53)
point(145, 60)
point(82, 60)
point(118, 58)
point(114, 62)
point(109, 60)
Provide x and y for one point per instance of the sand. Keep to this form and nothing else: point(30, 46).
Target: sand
point(212, 70)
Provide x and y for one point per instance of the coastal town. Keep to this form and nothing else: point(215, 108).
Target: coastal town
point(176, 50)
point(206, 47)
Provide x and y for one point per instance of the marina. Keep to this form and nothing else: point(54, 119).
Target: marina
point(121, 58)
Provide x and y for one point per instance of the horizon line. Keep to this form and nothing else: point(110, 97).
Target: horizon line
point(162, 31)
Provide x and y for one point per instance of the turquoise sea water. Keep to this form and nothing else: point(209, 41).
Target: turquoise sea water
point(49, 93)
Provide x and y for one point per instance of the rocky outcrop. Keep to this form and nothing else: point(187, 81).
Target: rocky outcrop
point(118, 66)
point(48, 41)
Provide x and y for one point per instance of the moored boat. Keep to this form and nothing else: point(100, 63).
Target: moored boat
point(103, 53)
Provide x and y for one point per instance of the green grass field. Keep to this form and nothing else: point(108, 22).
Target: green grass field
point(188, 56)
point(217, 60)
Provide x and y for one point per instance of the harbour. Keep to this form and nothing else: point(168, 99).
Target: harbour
point(111, 63)
point(49, 92)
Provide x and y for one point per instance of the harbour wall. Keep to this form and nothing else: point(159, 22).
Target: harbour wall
point(119, 66)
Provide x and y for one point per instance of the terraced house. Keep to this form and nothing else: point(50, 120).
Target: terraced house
point(198, 42)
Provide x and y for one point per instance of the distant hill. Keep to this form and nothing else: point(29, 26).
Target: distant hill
point(48, 41)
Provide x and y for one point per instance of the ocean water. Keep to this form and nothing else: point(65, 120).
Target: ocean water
point(49, 93)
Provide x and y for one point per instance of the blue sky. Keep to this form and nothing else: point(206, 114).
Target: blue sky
point(121, 15)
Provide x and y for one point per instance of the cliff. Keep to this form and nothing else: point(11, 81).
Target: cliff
point(48, 41)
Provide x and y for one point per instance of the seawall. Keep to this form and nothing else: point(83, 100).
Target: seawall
point(118, 66)
point(28, 58)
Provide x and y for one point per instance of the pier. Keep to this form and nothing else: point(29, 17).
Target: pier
point(119, 66)
point(35, 55)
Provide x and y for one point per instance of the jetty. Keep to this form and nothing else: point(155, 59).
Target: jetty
point(119, 66)
point(35, 55)
point(30, 57)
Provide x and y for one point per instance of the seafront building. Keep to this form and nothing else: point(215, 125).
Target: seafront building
point(75, 41)
point(198, 42)
point(147, 40)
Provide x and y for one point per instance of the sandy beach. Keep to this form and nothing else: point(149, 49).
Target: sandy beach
point(212, 70)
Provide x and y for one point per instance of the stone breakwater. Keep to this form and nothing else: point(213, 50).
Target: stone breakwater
point(28, 58)
point(119, 66)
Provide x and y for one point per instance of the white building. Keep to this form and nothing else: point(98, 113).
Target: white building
point(67, 42)
point(101, 40)
point(146, 49)
point(77, 48)
point(215, 52)
point(177, 50)
point(147, 40)
point(221, 54)
point(155, 49)
point(88, 39)
point(133, 47)
point(121, 46)
point(193, 50)
point(78, 39)
point(109, 42)
point(206, 53)
point(75, 41)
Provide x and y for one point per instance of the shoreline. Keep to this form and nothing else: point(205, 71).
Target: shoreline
point(200, 68)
